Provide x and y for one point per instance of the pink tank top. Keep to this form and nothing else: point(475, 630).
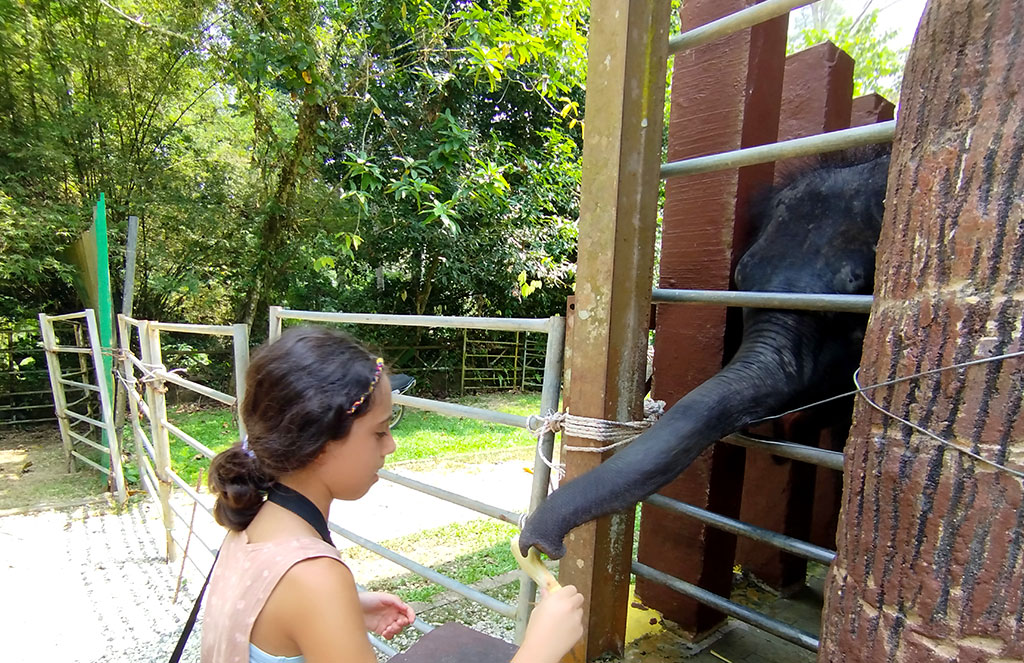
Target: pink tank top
point(243, 578)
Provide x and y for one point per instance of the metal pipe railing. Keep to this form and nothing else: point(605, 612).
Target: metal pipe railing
point(209, 392)
point(190, 328)
point(455, 410)
point(495, 512)
point(735, 22)
point(741, 612)
point(832, 460)
point(188, 439)
point(871, 134)
point(738, 527)
point(468, 592)
point(495, 324)
point(781, 300)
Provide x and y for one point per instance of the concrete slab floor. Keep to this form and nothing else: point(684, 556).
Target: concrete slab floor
point(737, 642)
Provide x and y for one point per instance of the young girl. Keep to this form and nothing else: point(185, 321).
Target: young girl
point(317, 408)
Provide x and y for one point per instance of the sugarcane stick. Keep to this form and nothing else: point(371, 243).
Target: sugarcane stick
point(534, 567)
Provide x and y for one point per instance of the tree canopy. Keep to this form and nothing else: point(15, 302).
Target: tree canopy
point(401, 156)
point(407, 156)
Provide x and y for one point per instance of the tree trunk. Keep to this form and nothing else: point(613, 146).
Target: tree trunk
point(929, 564)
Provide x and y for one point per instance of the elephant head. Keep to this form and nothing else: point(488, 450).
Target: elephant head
point(816, 235)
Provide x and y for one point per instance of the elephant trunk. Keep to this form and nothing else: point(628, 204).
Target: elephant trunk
point(775, 362)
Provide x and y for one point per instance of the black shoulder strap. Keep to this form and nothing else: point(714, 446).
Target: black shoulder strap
point(282, 496)
point(300, 505)
point(191, 621)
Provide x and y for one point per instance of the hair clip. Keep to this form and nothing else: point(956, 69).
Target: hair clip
point(246, 449)
point(373, 383)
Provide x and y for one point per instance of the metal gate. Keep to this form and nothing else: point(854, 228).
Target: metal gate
point(82, 431)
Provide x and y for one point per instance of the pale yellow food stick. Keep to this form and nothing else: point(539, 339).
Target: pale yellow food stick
point(534, 567)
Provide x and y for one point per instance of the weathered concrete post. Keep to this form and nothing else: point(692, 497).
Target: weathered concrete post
point(930, 564)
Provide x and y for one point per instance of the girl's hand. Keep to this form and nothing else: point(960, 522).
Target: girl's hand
point(385, 614)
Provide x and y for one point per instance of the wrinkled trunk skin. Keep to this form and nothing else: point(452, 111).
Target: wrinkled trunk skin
point(782, 354)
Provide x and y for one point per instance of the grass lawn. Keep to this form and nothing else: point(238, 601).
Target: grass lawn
point(420, 435)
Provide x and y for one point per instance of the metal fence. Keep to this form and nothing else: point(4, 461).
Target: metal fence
point(25, 394)
point(554, 328)
point(878, 133)
point(146, 378)
point(86, 422)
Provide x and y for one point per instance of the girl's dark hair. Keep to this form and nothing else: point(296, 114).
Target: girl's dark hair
point(298, 391)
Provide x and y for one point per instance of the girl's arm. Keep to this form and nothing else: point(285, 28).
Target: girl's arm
point(322, 613)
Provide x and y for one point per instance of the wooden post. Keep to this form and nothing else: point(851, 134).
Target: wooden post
point(155, 390)
point(627, 60)
point(929, 564)
point(725, 95)
point(778, 493)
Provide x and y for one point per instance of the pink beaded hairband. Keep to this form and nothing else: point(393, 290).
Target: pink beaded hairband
point(373, 383)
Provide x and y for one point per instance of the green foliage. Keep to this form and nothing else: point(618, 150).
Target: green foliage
point(878, 67)
point(372, 155)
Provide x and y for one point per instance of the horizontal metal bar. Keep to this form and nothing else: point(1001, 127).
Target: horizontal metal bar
point(148, 484)
point(185, 519)
point(25, 371)
point(150, 474)
point(188, 328)
point(87, 461)
point(496, 512)
point(382, 646)
point(130, 320)
point(209, 392)
point(82, 417)
point(870, 134)
point(72, 349)
point(454, 410)
point(84, 440)
point(79, 385)
point(782, 300)
point(178, 541)
point(468, 592)
point(740, 612)
point(781, 541)
point(67, 316)
point(735, 22)
point(497, 324)
point(8, 408)
point(27, 393)
point(832, 460)
point(19, 422)
point(189, 440)
point(190, 491)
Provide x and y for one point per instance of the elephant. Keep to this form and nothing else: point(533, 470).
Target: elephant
point(817, 234)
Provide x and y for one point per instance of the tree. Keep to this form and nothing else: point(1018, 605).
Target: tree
point(929, 563)
point(878, 65)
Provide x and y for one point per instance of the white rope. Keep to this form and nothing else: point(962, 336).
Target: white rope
point(616, 433)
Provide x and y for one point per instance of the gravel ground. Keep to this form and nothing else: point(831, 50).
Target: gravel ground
point(90, 585)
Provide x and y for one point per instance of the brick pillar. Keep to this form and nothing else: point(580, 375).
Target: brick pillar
point(871, 108)
point(725, 96)
point(778, 493)
point(929, 564)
